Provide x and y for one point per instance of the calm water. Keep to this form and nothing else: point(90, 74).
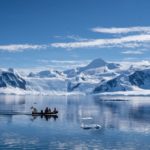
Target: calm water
point(125, 123)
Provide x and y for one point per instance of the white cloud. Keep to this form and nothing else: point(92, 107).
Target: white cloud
point(126, 41)
point(115, 30)
point(20, 47)
point(76, 38)
point(69, 61)
point(140, 38)
point(71, 37)
point(62, 64)
point(136, 52)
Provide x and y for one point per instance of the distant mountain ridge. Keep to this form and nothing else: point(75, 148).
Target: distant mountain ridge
point(46, 74)
point(96, 63)
point(140, 79)
point(97, 77)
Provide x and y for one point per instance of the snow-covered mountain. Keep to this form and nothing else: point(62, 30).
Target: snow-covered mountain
point(138, 79)
point(141, 79)
point(97, 77)
point(47, 74)
point(120, 83)
point(10, 78)
point(12, 83)
point(92, 68)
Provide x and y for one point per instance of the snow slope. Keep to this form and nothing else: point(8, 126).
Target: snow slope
point(137, 80)
point(10, 78)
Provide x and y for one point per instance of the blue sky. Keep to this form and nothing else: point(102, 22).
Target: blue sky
point(39, 32)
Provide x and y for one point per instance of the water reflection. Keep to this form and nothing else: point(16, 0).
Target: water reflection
point(121, 120)
point(131, 115)
point(110, 113)
point(54, 117)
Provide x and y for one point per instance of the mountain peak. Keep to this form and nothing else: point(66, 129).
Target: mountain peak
point(97, 63)
point(11, 70)
point(94, 64)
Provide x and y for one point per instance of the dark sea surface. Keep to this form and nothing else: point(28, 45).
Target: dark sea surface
point(124, 121)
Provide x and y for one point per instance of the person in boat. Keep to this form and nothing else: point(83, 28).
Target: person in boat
point(42, 112)
point(55, 110)
point(49, 110)
point(46, 110)
point(34, 110)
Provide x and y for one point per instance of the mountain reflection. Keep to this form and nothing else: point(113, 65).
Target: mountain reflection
point(122, 114)
point(125, 115)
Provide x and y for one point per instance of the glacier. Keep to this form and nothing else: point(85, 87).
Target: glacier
point(97, 77)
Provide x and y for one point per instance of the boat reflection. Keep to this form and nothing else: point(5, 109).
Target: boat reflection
point(46, 117)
